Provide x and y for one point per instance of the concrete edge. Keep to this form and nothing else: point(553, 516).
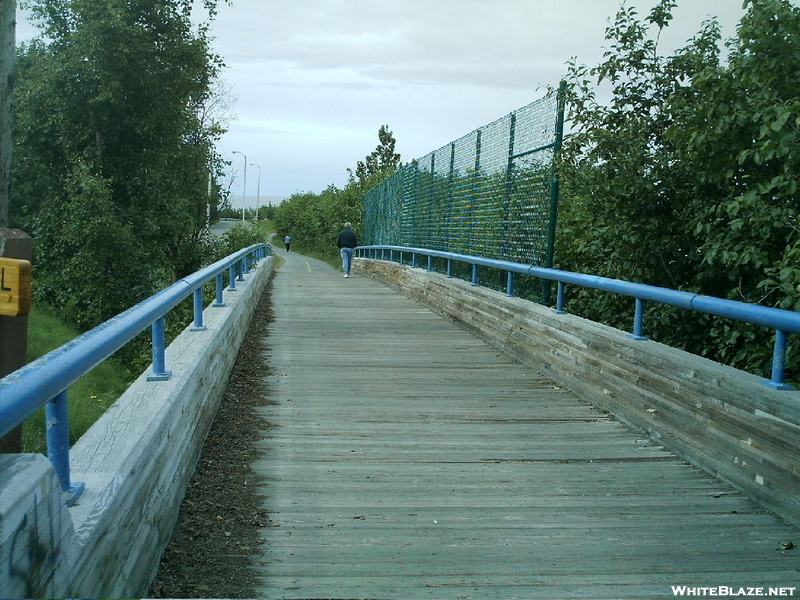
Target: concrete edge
point(110, 543)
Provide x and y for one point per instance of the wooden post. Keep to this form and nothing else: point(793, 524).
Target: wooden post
point(8, 9)
point(13, 243)
point(13, 330)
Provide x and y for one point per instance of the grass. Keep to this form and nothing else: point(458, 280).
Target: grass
point(89, 397)
point(95, 392)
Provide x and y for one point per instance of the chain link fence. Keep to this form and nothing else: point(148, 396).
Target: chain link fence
point(491, 193)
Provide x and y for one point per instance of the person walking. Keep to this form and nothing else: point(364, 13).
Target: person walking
point(288, 241)
point(347, 241)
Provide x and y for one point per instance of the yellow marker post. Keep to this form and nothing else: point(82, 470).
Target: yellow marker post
point(15, 287)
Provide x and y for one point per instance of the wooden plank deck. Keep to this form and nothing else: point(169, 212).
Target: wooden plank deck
point(408, 459)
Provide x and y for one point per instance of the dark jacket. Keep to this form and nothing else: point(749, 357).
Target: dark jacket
point(347, 239)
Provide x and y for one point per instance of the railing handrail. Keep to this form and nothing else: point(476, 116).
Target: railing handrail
point(25, 390)
point(783, 321)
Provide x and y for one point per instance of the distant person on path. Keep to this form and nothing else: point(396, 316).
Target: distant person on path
point(288, 241)
point(347, 241)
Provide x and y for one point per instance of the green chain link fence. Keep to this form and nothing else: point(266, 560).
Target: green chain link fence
point(491, 193)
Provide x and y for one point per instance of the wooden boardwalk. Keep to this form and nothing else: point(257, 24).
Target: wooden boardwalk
point(408, 459)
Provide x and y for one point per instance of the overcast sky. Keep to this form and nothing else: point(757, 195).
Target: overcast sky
point(315, 79)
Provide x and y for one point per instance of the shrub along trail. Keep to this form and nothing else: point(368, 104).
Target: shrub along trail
point(216, 542)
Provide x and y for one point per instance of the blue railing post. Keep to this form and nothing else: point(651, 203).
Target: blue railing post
point(232, 278)
point(159, 331)
point(783, 321)
point(778, 363)
point(638, 321)
point(246, 269)
point(220, 284)
point(430, 263)
point(240, 268)
point(31, 387)
point(560, 299)
point(57, 423)
point(510, 284)
point(198, 310)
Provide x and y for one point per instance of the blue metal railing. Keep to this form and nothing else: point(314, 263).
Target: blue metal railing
point(783, 322)
point(46, 381)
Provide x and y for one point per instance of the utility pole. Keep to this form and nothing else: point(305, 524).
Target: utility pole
point(258, 189)
point(244, 186)
point(14, 244)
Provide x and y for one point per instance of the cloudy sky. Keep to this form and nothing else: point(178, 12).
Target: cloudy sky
point(315, 79)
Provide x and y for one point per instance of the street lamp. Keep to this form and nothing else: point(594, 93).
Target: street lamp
point(258, 188)
point(244, 186)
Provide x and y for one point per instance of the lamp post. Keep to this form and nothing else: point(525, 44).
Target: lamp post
point(244, 185)
point(258, 188)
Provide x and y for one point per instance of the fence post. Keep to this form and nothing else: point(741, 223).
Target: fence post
point(476, 187)
point(232, 278)
point(560, 298)
point(508, 187)
point(198, 310)
point(554, 188)
point(57, 424)
point(778, 362)
point(159, 333)
point(8, 53)
point(220, 284)
point(13, 243)
point(638, 321)
point(13, 330)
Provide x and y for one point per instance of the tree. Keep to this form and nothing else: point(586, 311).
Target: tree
point(739, 127)
point(381, 161)
point(7, 37)
point(313, 220)
point(688, 178)
point(618, 167)
point(93, 113)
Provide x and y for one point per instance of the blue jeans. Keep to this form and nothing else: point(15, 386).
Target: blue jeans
point(347, 259)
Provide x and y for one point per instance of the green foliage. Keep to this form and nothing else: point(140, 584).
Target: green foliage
point(688, 177)
point(89, 397)
point(618, 169)
point(315, 220)
point(237, 237)
point(740, 128)
point(381, 160)
point(264, 212)
point(112, 166)
point(95, 259)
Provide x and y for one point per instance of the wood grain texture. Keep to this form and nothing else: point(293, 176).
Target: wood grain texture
point(407, 458)
point(717, 417)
